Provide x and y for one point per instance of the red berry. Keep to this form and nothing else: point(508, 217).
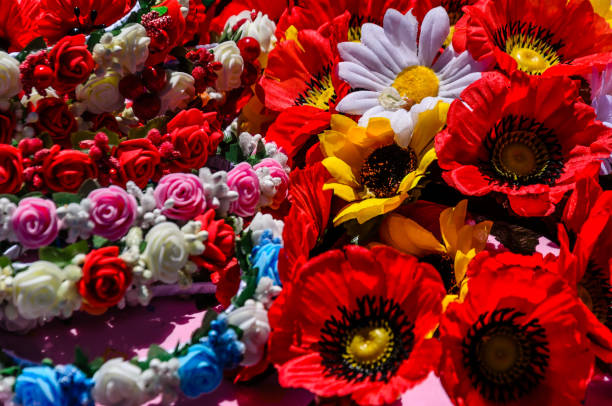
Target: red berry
point(249, 48)
point(146, 106)
point(43, 76)
point(249, 74)
point(154, 78)
point(131, 87)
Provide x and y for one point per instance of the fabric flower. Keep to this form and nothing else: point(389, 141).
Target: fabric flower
point(193, 138)
point(55, 118)
point(66, 170)
point(165, 33)
point(265, 257)
point(112, 211)
point(7, 126)
point(224, 341)
point(502, 138)
point(370, 170)
point(16, 28)
point(71, 61)
point(75, 385)
point(535, 37)
point(38, 386)
point(9, 74)
point(181, 196)
point(35, 222)
point(278, 172)
point(219, 246)
point(243, 180)
point(118, 383)
point(106, 277)
point(138, 159)
point(518, 336)
point(199, 370)
point(252, 320)
point(35, 290)
point(129, 49)
point(100, 94)
point(166, 252)
point(228, 54)
point(365, 332)
point(401, 76)
point(11, 169)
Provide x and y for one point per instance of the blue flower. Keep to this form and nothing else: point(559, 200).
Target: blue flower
point(199, 370)
point(75, 384)
point(39, 386)
point(225, 343)
point(265, 257)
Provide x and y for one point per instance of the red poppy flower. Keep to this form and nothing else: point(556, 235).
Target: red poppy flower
point(16, 29)
point(454, 8)
point(364, 334)
point(528, 138)
point(556, 37)
point(518, 337)
point(272, 8)
point(58, 18)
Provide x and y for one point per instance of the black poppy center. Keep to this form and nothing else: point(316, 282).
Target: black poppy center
point(385, 168)
point(506, 357)
point(453, 9)
point(522, 152)
point(4, 44)
point(368, 343)
point(595, 292)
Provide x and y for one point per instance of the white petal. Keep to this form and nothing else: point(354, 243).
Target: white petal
point(403, 126)
point(401, 29)
point(434, 30)
point(377, 111)
point(395, 57)
point(358, 102)
point(366, 57)
point(454, 88)
point(359, 77)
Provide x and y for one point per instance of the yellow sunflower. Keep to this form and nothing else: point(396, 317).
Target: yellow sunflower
point(460, 242)
point(370, 170)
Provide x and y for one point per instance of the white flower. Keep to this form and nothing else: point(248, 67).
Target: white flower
point(6, 214)
point(228, 54)
point(118, 383)
point(268, 186)
point(11, 320)
point(10, 85)
point(179, 91)
point(162, 377)
point(148, 213)
point(166, 252)
point(252, 319)
point(262, 222)
point(391, 57)
point(75, 218)
point(248, 143)
point(195, 237)
point(35, 290)
point(6, 389)
point(128, 50)
point(266, 291)
point(218, 194)
point(261, 28)
point(273, 152)
point(601, 96)
point(100, 94)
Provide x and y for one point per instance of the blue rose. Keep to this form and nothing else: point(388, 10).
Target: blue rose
point(75, 384)
point(39, 386)
point(265, 257)
point(199, 370)
point(225, 343)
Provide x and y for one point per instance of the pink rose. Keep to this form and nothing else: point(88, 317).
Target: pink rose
point(276, 171)
point(186, 192)
point(35, 222)
point(243, 179)
point(113, 211)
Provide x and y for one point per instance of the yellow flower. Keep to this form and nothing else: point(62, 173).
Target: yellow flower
point(461, 242)
point(370, 170)
point(604, 9)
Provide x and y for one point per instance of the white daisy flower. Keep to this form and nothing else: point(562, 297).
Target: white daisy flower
point(400, 76)
point(601, 100)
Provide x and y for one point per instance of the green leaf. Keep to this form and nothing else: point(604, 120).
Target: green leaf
point(99, 242)
point(143, 245)
point(83, 135)
point(94, 38)
point(5, 261)
point(160, 10)
point(62, 198)
point(155, 351)
point(31, 194)
point(87, 187)
point(63, 256)
point(234, 154)
point(95, 365)
point(35, 45)
point(81, 361)
point(47, 361)
point(202, 331)
point(113, 137)
point(14, 199)
point(142, 131)
point(10, 371)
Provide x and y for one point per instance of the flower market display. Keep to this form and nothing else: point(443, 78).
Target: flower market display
point(367, 193)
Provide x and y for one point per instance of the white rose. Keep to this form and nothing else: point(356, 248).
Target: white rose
point(252, 319)
point(10, 85)
point(166, 252)
point(100, 94)
point(261, 28)
point(228, 54)
point(35, 290)
point(268, 186)
point(128, 50)
point(118, 383)
point(262, 222)
point(179, 91)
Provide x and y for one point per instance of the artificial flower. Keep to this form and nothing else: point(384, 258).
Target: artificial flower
point(535, 37)
point(56, 119)
point(166, 252)
point(517, 338)
point(36, 290)
point(364, 335)
point(112, 211)
point(16, 28)
point(11, 169)
point(180, 196)
point(276, 171)
point(252, 320)
point(138, 160)
point(400, 76)
point(38, 385)
point(9, 73)
point(370, 170)
point(460, 241)
point(243, 179)
point(66, 170)
point(527, 138)
point(119, 382)
point(35, 222)
point(100, 94)
point(228, 55)
point(603, 8)
point(72, 63)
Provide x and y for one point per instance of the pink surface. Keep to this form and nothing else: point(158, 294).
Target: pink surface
point(166, 322)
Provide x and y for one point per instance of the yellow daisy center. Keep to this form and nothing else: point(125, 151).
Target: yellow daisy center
point(319, 92)
point(370, 345)
point(385, 168)
point(416, 83)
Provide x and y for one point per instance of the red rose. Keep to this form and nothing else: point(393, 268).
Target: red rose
point(189, 132)
point(65, 171)
point(105, 279)
point(7, 127)
point(55, 118)
point(11, 169)
point(72, 63)
point(138, 160)
point(105, 120)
